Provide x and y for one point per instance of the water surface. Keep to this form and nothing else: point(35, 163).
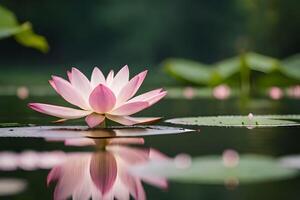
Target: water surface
point(275, 142)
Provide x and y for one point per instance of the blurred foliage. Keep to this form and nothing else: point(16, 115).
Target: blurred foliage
point(248, 168)
point(141, 32)
point(264, 71)
point(22, 33)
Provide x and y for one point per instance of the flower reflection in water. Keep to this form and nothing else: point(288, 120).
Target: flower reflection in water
point(104, 174)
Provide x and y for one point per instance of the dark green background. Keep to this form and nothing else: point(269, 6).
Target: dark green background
point(143, 33)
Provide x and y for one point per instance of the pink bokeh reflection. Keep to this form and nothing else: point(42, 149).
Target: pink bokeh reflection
point(189, 92)
point(104, 174)
point(221, 92)
point(30, 160)
point(294, 92)
point(275, 93)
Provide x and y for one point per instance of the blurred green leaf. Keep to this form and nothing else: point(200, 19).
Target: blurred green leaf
point(28, 38)
point(228, 70)
point(187, 70)
point(240, 121)
point(255, 61)
point(8, 19)
point(211, 170)
point(291, 66)
point(23, 33)
point(261, 63)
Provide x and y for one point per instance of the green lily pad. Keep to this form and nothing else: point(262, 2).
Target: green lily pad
point(211, 170)
point(240, 121)
point(10, 124)
point(83, 131)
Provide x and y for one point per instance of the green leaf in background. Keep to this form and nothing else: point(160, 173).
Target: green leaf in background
point(186, 70)
point(29, 39)
point(254, 61)
point(229, 70)
point(291, 66)
point(261, 63)
point(23, 33)
point(228, 67)
point(212, 170)
point(240, 121)
point(8, 19)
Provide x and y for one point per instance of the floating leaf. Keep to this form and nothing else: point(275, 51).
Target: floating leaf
point(10, 124)
point(186, 70)
point(83, 131)
point(23, 33)
point(240, 121)
point(211, 170)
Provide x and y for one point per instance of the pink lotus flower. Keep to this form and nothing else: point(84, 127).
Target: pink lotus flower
point(105, 174)
point(101, 97)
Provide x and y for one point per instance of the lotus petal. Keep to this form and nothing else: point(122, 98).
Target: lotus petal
point(133, 184)
point(59, 111)
point(103, 170)
point(147, 95)
point(128, 90)
point(130, 155)
point(129, 108)
point(102, 99)
point(97, 77)
point(120, 80)
point(110, 77)
point(53, 85)
point(69, 93)
point(81, 83)
point(94, 120)
point(156, 98)
point(126, 120)
point(156, 181)
point(151, 97)
point(125, 141)
point(79, 142)
point(120, 190)
point(69, 74)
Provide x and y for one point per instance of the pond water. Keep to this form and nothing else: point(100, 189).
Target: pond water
point(82, 164)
